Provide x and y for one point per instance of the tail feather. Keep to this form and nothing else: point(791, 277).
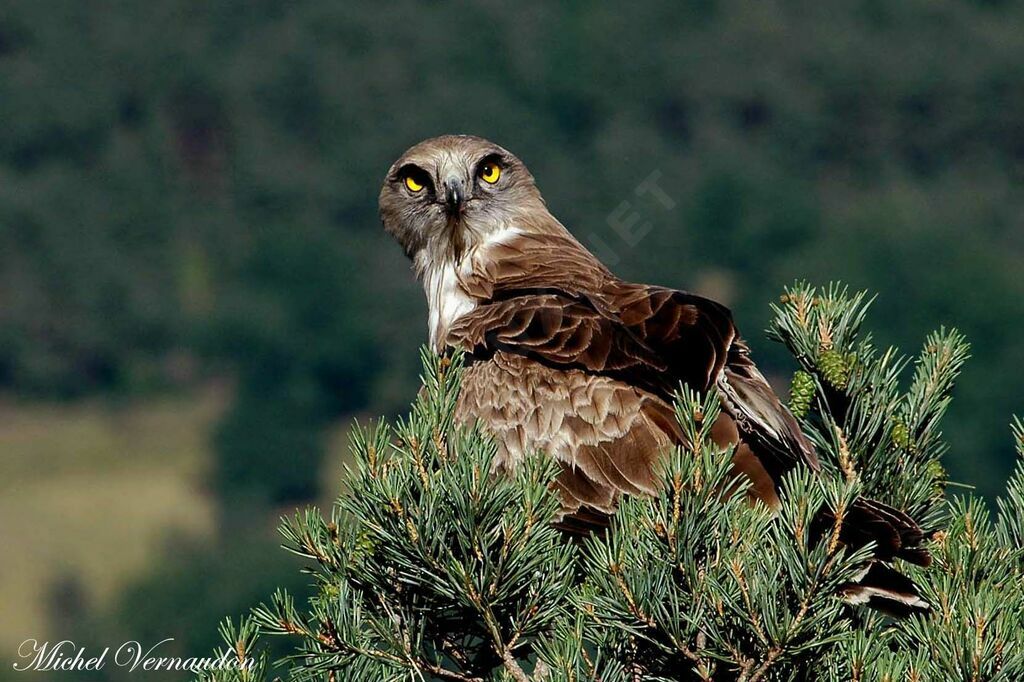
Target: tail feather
point(883, 588)
point(909, 533)
point(895, 536)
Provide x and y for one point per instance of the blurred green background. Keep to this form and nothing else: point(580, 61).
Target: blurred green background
point(196, 296)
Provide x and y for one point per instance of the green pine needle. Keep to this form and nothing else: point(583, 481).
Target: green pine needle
point(432, 567)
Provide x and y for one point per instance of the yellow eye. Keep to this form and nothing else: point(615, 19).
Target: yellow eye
point(411, 183)
point(490, 172)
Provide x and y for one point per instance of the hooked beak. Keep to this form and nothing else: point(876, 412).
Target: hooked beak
point(454, 196)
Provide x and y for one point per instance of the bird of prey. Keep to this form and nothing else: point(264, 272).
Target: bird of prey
point(566, 358)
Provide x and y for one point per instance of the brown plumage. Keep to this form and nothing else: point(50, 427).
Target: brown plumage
point(568, 359)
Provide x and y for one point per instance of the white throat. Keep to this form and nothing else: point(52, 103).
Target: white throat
point(446, 301)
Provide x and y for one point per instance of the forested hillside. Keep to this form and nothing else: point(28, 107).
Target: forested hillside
point(188, 189)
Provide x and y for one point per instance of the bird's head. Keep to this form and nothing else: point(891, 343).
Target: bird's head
point(448, 194)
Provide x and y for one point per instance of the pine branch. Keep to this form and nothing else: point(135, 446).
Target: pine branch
point(431, 567)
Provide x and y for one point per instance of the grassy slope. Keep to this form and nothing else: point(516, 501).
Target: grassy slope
point(89, 492)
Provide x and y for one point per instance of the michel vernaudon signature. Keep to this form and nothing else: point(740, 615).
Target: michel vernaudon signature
point(67, 656)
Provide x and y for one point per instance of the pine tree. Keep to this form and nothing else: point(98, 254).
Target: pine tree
point(432, 568)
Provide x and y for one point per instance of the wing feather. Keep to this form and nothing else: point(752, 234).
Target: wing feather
point(649, 337)
point(601, 340)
